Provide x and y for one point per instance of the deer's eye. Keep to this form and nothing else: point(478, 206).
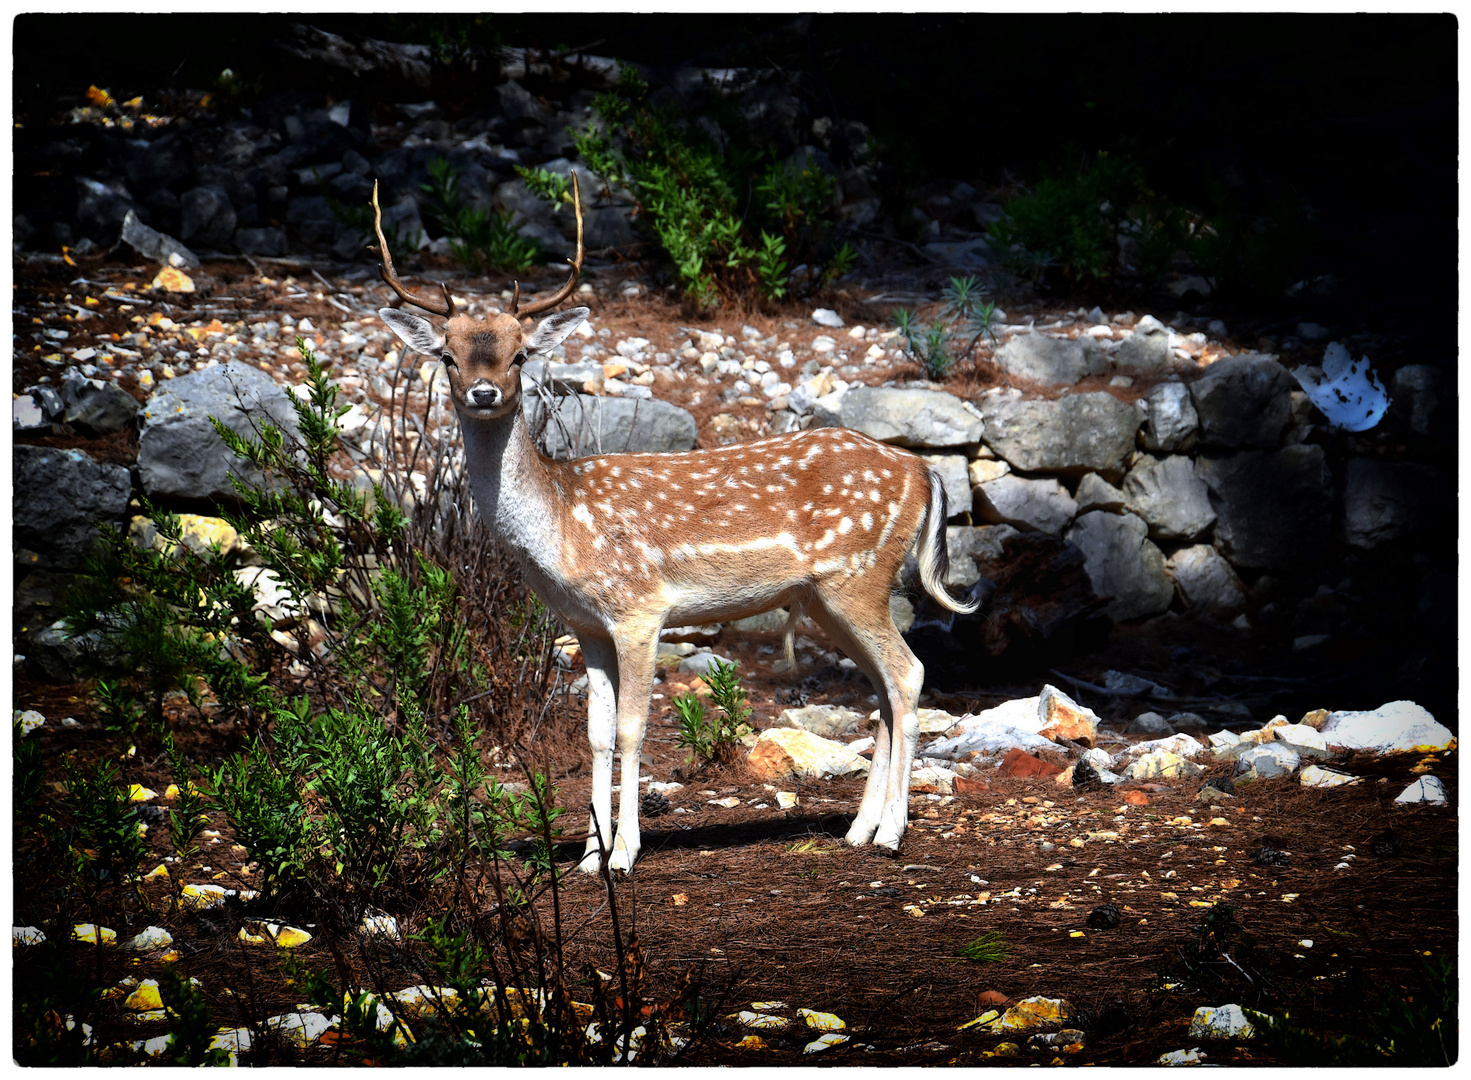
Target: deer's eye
point(448, 358)
point(520, 357)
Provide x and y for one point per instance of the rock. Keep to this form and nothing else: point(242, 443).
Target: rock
point(1171, 422)
point(969, 544)
point(1171, 499)
point(1024, 713)
point(90, 933)
point(1274, 510)
point(153, 937)
point(827, 317)
point(932, 779)
point(582, 424)
point(775, 619)
point(608, 227)
point(828, 721)
point(57, 499)
point(29, 414)
point(1397, 726)
point(96, 406)
point(201, 897)
point(1033, 1012)
point(700, 663)
point(1147, 348)
point(1104, 917)
point(583, 378)
point(198, 532)
point(1186, 721)
point(1224, 1022)
point(1056, 361)
point(1205, 581)
point(1018, 762)
point(152, 244)
point(1423, 404)
point(1078, 432)
point(1306, 741)
point(905, 417)
point(179, 453)
point(955, 477)
point(269, 241)
point(269, 933)
point(1193, 1056)
point(1096, 493)
point(1149, 723)
point(824, 1042)
point(1064, 718)
point(206, 217)
point(983, 470)
point(1385, 501)
point(300, 1029)
point(1427, 789)
point(1243, 402)
point(986, 737)
point(792, 752)
point(1122, 564)
point(1317, 776)
point(1039, 505)
point(1162, 764)
point(1268, 760)
point(1180, 744)
point(27, 935)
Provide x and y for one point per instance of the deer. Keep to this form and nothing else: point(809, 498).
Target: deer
point(618, 546)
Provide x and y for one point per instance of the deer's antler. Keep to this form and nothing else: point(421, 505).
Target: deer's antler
point(538, 306)
point(445, 307)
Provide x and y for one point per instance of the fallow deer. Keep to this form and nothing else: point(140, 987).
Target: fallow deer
point(619, 546)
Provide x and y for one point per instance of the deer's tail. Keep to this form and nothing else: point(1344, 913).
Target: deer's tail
point(933, 554)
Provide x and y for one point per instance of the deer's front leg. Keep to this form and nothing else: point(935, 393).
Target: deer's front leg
point(602, 726)
point(636, 651)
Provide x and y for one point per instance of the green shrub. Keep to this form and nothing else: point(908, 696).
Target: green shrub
point(106, 826)
point(989, 948)
point(714, 738)
point(731, 219)
point(480, 239)
point(939, 344)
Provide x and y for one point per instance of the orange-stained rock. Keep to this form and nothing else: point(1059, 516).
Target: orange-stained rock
point(1062, 717)
point(1020, 763)
point(1136, 798)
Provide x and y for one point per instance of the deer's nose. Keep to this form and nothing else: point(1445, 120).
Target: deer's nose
point(484, 395)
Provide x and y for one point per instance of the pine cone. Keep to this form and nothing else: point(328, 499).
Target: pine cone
point(653, 804)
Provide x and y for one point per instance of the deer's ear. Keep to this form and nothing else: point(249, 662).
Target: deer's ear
point(413, 331)
point(553, 330)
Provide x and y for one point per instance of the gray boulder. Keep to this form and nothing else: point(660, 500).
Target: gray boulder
point(96, 405)
point(1039, 505)
point(206, 216)
point(1273, 510)
point(179, 453)
point(1389, 500)
point(1096, 493)
point(152, 244)
point(607, 226)
point(1149, 723)
point(1057, 361)
point(1243, 401)
point(905, 417)
point(1078, 432)
point(1171, 421)
point(1205, 580)
point(968, 543)
point(561, 378)
point(582, 424)
point(1147, 348)
point(58, 497)
point(1169, 497)
point(955, 477)
point(1122, 563)
point(1269, 759)
point(1423, 402)
point(268, 241)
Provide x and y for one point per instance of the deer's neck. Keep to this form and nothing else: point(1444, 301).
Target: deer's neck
point(512, 485)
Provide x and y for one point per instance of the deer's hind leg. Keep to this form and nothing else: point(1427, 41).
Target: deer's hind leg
point(860, 624)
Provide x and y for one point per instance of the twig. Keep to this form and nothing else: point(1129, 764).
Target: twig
point(923, 254)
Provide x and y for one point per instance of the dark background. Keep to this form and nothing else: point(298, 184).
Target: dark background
point(1352, 117)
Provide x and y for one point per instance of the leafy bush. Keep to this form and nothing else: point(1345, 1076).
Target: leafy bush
point(730, 218)
point(1095, 225)
point(714, 738)
point(480, 239)
point(989, 948)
